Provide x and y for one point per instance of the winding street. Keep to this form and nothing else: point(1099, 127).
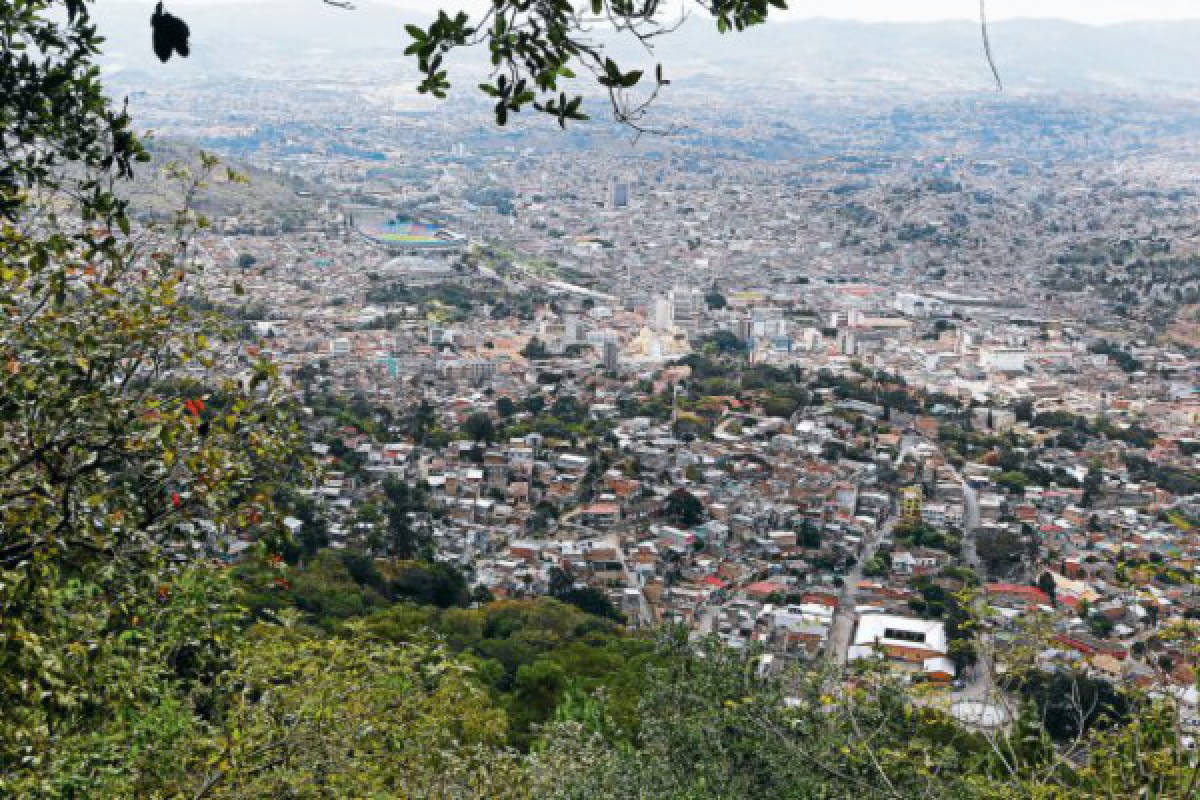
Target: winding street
point(843, 616)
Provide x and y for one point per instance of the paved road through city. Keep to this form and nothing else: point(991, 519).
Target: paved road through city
point(843, 616)
point(970, 524)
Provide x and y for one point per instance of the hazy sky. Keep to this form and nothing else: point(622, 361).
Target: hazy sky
point(1090, 11)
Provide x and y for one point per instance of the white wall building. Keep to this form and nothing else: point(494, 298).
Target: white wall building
point(1002, 359)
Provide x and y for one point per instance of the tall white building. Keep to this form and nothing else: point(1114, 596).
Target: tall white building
point(687, 307)
point(662, 317)
point(767, 324)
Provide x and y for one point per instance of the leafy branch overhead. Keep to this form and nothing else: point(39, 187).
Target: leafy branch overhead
point(536, 47)
point(542, 51)
point(170, 34)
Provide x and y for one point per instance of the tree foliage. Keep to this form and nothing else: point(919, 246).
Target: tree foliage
point(999, 549)
point(351, 716)
point(479, 428)
point(55, 114)
point(122, 444)
point(536, 49)
point(124, 449)
point(683, 508)
point(274, 711)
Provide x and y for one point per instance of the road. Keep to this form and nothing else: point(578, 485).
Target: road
point(970, 524)
point(978, 685)
point(645, 618)
point(843, 616)
point(727, 419)
point(978, 682)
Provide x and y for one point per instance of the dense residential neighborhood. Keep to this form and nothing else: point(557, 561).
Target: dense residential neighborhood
point(827, 470)
point(865, 431)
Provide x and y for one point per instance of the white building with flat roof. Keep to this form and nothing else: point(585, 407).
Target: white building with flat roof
point(1002, 359)
point(907, 640)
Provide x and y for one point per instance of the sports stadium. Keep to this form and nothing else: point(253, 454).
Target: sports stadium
point(400, 234)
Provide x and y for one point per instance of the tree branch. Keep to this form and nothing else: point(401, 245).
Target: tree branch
point(987, 45)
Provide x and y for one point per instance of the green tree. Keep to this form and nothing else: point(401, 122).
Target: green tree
point(422, 423)
point(810, 536)
point(568, 409)
point(123, 718)
point(52, 95)
point(326, 590)
point(594, 602)
point(1014, 481)
point(479, 427)
point(535, 46)
point(712, 727)
point(999, 549)
point(559, 582)
point(429, 583)
point(537, 688)
point(111, 459)
point(1046, 583)
point(561, 585)
point(349, 716)
point(779, 406)
point(406, 538)
point(534, 349)
point(683, 508)
point(314, 529)
point(1093, 484)
point(1100, 625)
point(722, 342)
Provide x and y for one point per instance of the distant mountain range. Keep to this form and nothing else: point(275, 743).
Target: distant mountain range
point(1030, 54)
point(307, 39)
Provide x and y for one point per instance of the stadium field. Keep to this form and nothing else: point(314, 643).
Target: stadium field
point(408, 232)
